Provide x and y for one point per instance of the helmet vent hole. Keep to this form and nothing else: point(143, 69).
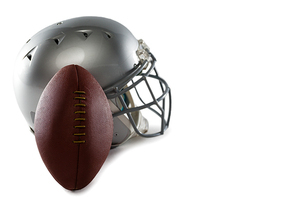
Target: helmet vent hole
point(56, 41)
point(107, 34)
point(29, 56)
point(59, 38)
point(84, 34)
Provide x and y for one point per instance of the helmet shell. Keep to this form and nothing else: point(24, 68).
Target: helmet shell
point(104, 47)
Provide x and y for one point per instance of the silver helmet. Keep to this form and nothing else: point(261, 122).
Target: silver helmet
point(118, 61)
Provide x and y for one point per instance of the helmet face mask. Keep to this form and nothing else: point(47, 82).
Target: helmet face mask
point(118, 61)
point(158, 103)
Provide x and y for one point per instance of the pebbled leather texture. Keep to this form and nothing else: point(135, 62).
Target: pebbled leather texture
point(73, 127)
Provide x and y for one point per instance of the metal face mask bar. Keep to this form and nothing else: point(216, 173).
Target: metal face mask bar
point(147, 60)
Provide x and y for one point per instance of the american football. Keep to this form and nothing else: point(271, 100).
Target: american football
point(73, 127)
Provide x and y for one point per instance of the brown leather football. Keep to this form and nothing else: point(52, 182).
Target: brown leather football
point(73, 127)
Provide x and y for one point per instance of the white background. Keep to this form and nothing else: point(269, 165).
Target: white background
point(231, 66)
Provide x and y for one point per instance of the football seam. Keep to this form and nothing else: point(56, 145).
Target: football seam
point(79, 112)
point(82, 96)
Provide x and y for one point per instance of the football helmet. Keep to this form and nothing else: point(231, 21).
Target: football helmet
point(120, 63)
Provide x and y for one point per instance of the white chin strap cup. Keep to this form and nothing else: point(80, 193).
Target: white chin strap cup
point(123, 129)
